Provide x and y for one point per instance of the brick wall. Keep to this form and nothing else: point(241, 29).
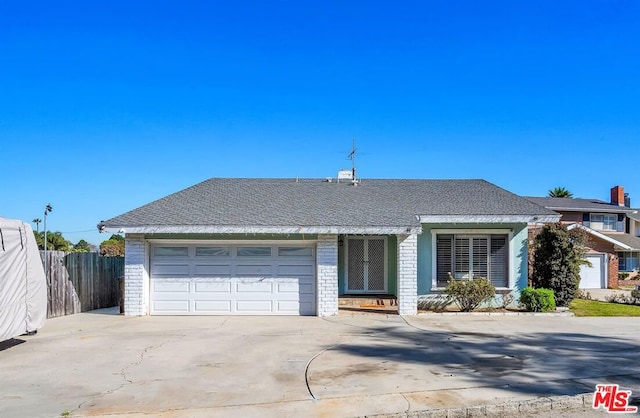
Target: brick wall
point(134, 276)
point(407, 291)
point(327, 274)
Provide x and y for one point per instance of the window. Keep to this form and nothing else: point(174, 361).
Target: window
point(471, 256)
point(254, 251)
point(171, 251)
point(604, 221)
point(294, 251)
point(213, 251)
point(628, 261)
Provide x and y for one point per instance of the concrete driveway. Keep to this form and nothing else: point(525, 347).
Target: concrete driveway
point(101, 364)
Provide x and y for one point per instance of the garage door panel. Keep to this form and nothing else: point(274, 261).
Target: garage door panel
point(171, 286)
point(248, 287)
point(288, 287)
point(265, 306)
point(306, 289)
point(212, 270)
point(307, 308)
point(288, 306)
point(215, 287)
point(170, 270)
point(171, 306)
point(223, 283)
point(213, 306)
point(294, 269)
point(254, 270)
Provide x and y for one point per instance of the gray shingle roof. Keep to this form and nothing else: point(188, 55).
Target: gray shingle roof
point(577, 204)
point(634, 214)
point(315, 202)
point(627, 239)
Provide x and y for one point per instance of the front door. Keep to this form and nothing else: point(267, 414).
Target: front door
point(366, 265)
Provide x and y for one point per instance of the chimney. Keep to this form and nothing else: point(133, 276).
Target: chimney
point(617, 195)
point(627, 200)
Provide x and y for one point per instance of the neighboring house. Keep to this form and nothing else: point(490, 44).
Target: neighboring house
point(629, 261)
point(292, 246)
point(612, 228)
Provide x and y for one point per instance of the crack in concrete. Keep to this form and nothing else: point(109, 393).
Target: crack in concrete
point(408, 404)
point(123, 372)
point(306, 369)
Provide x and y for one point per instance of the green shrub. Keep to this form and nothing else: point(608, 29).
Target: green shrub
point(558, 254)
point(469, 294)
point(623, 276)
point(537, 300)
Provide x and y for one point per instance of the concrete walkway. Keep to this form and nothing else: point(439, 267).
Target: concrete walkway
point(100, 364)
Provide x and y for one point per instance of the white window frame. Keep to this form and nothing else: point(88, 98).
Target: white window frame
point(472, 232)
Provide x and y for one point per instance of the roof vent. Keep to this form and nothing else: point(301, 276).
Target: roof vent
point(345, 175)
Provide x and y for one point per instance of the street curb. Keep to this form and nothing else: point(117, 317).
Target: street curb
point(507, 409)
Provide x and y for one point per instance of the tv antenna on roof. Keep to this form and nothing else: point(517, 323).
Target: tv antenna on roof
point(352, 157)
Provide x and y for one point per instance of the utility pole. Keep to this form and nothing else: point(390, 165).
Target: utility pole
point(47, 210)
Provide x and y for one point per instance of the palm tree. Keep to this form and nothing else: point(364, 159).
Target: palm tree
point(37, 222)
point(560, 192)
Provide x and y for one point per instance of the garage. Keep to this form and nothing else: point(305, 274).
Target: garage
point(239, 279)
point(593, 277)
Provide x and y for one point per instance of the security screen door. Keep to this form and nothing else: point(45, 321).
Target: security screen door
point(365, 270)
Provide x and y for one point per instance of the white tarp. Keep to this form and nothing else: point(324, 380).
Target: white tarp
point(23, 285)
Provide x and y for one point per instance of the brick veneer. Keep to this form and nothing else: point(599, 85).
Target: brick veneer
point(327, 274)
point(407, 291)
point(135, 276)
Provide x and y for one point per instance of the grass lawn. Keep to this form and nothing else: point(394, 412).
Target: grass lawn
point(581, 307)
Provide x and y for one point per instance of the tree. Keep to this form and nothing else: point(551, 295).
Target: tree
point(113, 247)
point(560, 192)
point(82, 247)
point(37, 222)
point(55, 241)
point(558, 255)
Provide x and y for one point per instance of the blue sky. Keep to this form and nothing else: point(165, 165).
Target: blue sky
point(106, 106)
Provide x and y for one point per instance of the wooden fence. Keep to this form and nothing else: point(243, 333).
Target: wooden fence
point(80, 282)
point(62, 297)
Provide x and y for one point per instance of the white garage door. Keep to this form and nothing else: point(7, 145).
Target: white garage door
point(592, 277)
point(247, 279)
